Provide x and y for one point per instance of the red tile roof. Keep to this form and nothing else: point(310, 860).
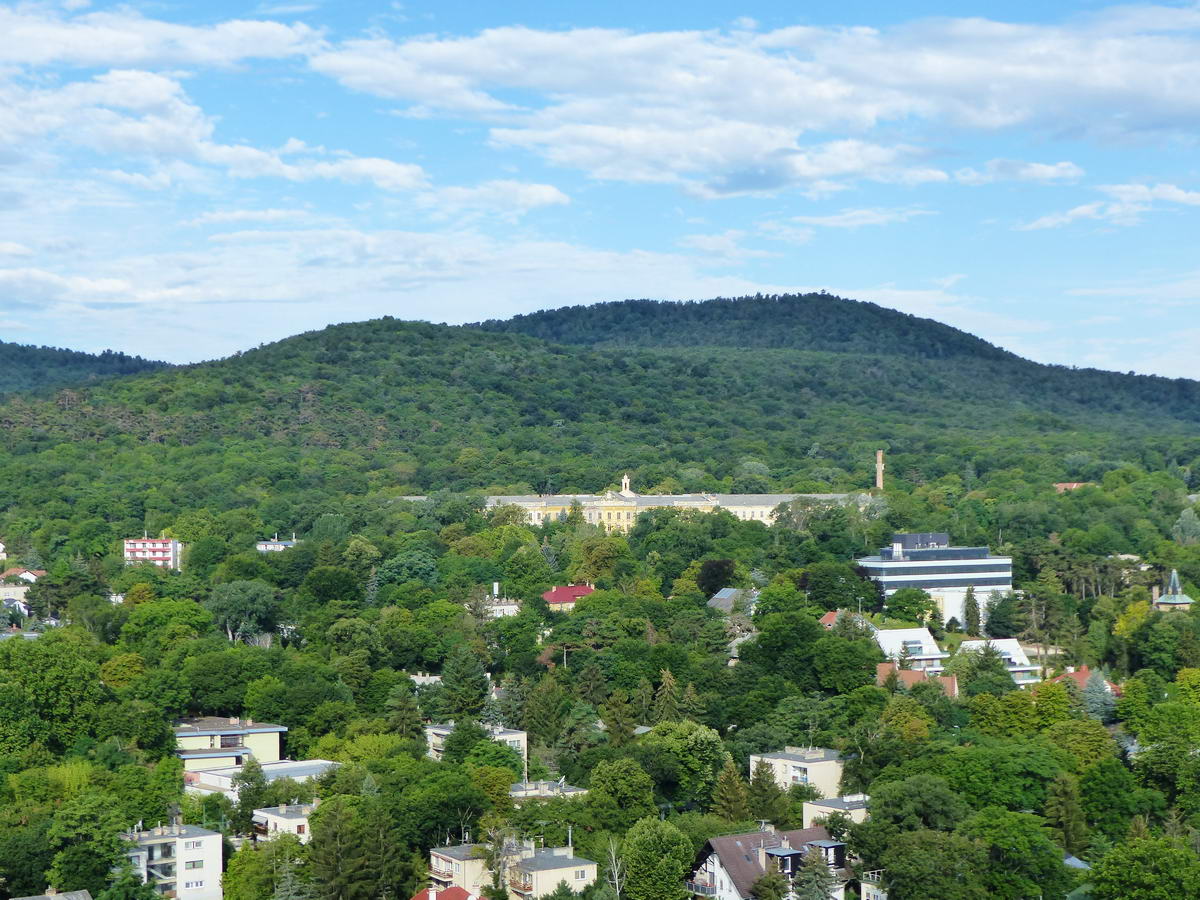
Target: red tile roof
point(1081, 675)
point(830, 618)
point(567, 593)
point(451, 893)
point(17, 570)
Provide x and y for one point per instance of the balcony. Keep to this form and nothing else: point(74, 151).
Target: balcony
point(703, 888)
point(521, 883)
point(441, 873)
point(875, 876)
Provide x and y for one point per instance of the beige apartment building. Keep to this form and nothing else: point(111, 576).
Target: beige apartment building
point(818, 766)
point(532, 875)
point(212, 742)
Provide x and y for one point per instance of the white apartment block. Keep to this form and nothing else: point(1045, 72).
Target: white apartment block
point(166, 553)
point(817, 766)
point(181, 861)
point(435, 738)
point(289, 819)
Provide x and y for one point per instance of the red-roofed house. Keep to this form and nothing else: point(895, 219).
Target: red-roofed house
point(30, 575)
point(1081, 675)
point(908, 677)
point(830, 618)
point(450, 893)
point(563, 599)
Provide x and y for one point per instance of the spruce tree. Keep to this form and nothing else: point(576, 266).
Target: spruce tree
point(666, 698)
point(730, 800)
point(815, 880)
point(465, 683)
point(617, 715)
point(338, 856)
point(289, 885)
point(766, 798)
point(1097, 701)
point(643, 700)
point(691, 705)
point(771, 884)
point(971, 612)
point(404, 717)
point(1064, 813)
point(592, 686)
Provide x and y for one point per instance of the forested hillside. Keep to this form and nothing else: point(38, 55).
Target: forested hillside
point(796, 321)
point(405, 408)
point(326, 433)
point(28, 368)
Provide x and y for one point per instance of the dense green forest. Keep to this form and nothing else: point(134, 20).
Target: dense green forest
point(331, 433)
point(28, 368)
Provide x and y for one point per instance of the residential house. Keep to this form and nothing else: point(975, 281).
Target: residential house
point(450, 893)
point(435, 737)
point(1024, 672)
point(908, 678)
point(927, 561)
point(212, 742)
point(619, 510)
point(182, 861)
point(30, 576)
point(870, 885)
point(220, 780)
point(1080, 677)
point(459, 866)
point(12, 601)
point(816, 766)
point(538, 872)
point(727, 867)
point(730, 600)
point(915, 646)
point(853, 806)
point(166, 553)
point(563, 599)
point(288, 819)
point(544, 790)
point(275, 545)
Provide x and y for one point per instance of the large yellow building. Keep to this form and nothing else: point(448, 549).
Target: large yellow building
point(618, 510)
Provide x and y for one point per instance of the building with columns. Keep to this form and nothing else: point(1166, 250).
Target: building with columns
point(619, 510)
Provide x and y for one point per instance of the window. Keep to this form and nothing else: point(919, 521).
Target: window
point(194, 864)
point(580, 874)
point(457, 868)
point(191, 845)
point(299, 829)
point(190, 885)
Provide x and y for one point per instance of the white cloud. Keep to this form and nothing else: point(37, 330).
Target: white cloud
point(145, 114)
point(730, 111)
point(223, 216)
point(1126, 204)
point(506, 198)
point(11, 248)
point(721, 248)
point(1016, 170)
point(35, 35)
point(857, 218)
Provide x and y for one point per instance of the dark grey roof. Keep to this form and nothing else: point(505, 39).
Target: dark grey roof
point(819, 754)
point(169, 833)
point(840, 803)
point(738, 853)
point(460, 851)
point(220, 725)
point(292, 811)
point(544, 860)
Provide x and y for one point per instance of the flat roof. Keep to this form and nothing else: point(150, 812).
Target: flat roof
point(206, 725)
point(841, 803)
point(544, 860)
point(460, 851)
point(169, 832)
point(284, 768)
point(819, 754)
point(292, 811)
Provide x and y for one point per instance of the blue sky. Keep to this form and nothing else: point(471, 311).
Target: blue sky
point(185, 180)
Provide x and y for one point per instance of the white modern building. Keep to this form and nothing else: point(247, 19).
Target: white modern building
point(291, 818)
point(182, 861)
point(914, 644)
point(928, 562)
point(1015, 660)
point(220, 780)
point(435, 738)
point(275, 545)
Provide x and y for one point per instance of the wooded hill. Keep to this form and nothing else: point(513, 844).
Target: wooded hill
point(401, 408)
point(28, 368)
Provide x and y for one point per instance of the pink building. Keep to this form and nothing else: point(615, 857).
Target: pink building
point(164, 552)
